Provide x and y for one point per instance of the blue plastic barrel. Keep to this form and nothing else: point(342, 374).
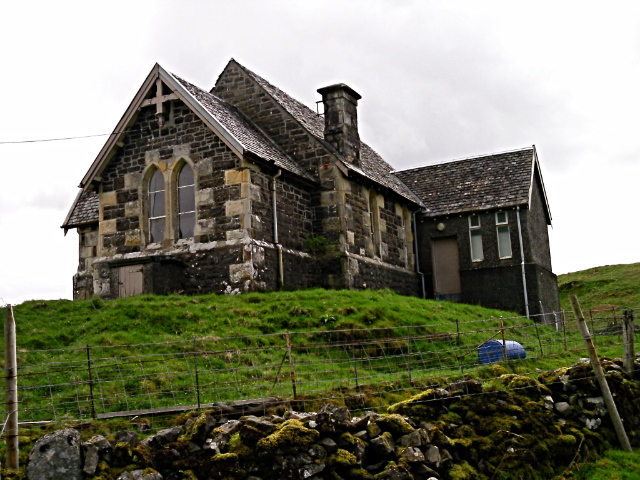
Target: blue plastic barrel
point(492, 351)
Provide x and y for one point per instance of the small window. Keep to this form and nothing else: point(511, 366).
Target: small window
point(504, 237)
point(157, 215)
point(475, 234)
point(373, 221)
point(186, 202)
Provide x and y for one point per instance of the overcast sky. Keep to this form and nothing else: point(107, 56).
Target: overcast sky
point(439, 81)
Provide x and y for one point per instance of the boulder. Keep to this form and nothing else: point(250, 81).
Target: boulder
point(56, 456)
point(383, 445)
point(127, 436)
point(328, 444)
point(413, 439)
point(413, 455)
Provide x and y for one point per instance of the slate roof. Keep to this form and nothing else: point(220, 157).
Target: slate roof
point(85, 210)
point(480, 183)
point(243, 129)
point(372, 167)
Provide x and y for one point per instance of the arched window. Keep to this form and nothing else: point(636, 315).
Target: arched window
point(186, 202)
point(157, 213)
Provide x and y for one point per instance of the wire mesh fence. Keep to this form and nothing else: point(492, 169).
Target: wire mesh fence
point(119, 380)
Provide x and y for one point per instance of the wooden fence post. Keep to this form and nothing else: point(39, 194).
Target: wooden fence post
point(564, 330)
point(602, 381)
point(628, 339)
point(11, 389)
point(93, 408)
point(293, 371)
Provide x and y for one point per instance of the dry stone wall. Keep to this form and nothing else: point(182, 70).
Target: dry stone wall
point(510, 427)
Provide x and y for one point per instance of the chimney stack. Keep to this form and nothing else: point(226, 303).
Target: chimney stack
point(341, 120)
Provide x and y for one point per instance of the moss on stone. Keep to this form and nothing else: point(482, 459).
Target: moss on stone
point(394, 424)
point(197, 431)
point(189, 475)
point(292, 435)
point(342, 458)
point(225, 458)
point(464, 471)
point(358, 474)
point(236, 446)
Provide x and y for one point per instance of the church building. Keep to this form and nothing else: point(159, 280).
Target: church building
point(243, 188)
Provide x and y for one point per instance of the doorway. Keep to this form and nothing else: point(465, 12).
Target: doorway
point(446, 269)
point(130, 280)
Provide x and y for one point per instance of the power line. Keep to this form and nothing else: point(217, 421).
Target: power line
point(59, 139)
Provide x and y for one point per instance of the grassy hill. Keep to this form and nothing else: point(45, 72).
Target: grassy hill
point(149, 318)
point(602, 287)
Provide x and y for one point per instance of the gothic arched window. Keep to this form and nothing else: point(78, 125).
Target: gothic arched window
point(157, 212)
point(186, 202)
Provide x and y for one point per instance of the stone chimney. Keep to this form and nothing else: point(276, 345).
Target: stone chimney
point(341, 120)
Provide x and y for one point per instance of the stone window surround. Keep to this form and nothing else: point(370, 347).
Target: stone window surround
point(170, 169)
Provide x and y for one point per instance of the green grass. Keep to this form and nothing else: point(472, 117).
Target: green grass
point(242, 350)
point(615, 465)
point(602, 287)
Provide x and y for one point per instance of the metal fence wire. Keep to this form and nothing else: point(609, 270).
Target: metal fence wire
point(120, 380)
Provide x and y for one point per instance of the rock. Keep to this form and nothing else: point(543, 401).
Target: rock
point(383, 445)
point(432, 455)
point(127, 436)
point(445, 456)
point(318, 452)
point(332, 419)
point(563, 408)
point(222, 434)
point(360, 452)
point(56, 456)
point(328, 444)
point(168, 435)
point(395, 424)
point(200, 429)
point(310, 470)
point(394, 472)
point(261, 424)
point(362, 435)
point(122, 455)
point(466, 387)
point(413, 439)
point(413, 455)
point(91, 459)
point(424, 471)
point(140, 475)
point(592, 423)
point(373, 430)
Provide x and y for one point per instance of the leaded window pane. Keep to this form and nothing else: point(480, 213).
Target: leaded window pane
point(474, 221)
point(186, 176)
point(156, 229)
point(476, 245)
point(156, 204)
point(504, 241)
point(157, 182)
point(187, 224)
point(186, 199)
point(501, 217)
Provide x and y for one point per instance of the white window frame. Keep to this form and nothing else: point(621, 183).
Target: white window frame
point(472, 230)
point(499, 225)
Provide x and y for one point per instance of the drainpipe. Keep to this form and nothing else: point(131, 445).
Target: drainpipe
point(415, 243)
point(524, 278)
point(275, 229)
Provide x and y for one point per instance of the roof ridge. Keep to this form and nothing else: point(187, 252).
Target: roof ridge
point(247, 119)
point(473, 157)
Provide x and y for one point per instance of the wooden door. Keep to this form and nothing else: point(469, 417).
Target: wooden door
point(130, 280)
point(446, 269)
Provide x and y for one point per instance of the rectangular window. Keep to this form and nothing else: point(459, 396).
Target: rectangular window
point(504, 237)
point(475, 234)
